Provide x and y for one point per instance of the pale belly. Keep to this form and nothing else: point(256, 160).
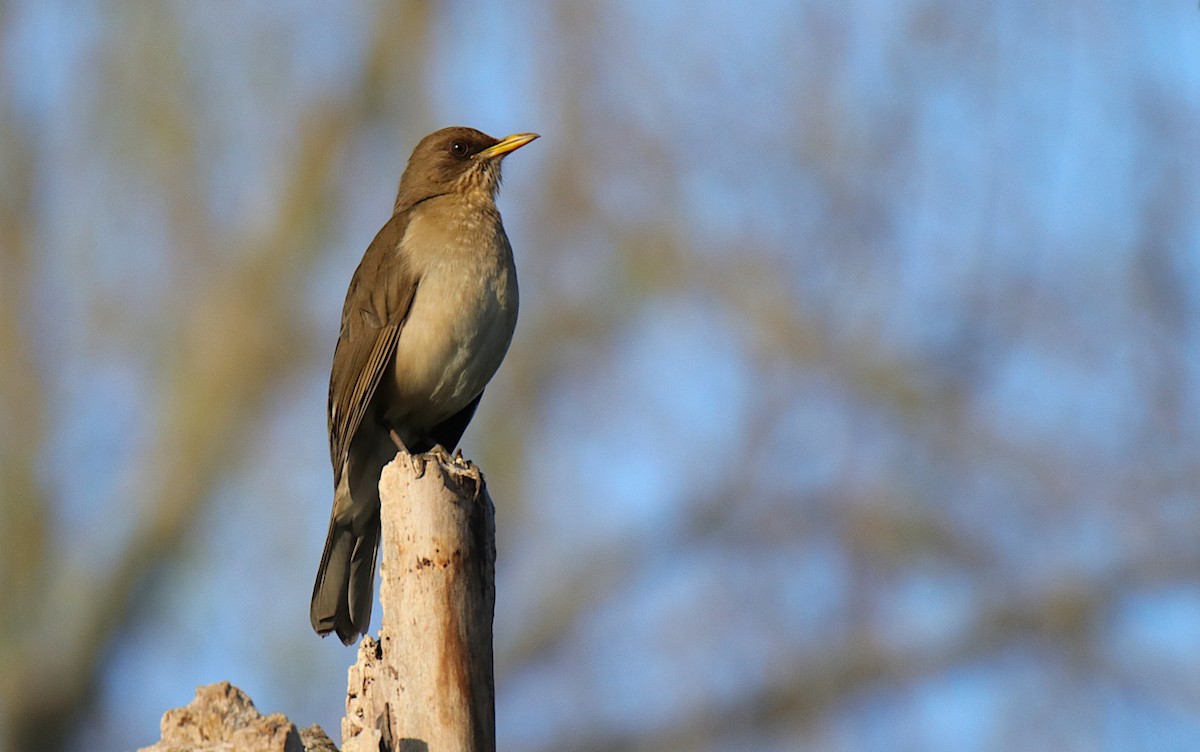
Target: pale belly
point(451, 345)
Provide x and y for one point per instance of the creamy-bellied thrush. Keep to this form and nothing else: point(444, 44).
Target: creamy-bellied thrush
point(428, 317)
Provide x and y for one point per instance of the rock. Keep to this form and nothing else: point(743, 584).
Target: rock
point(222, 718)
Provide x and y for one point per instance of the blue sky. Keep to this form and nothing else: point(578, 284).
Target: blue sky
point(835, 264)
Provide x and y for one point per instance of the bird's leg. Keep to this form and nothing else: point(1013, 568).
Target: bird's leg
point(418, 463)
point(396, 440)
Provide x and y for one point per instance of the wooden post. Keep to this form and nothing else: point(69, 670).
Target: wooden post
point(426, 685)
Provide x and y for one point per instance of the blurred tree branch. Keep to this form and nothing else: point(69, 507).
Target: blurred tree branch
point(226, 354)
point(23, 507)
point(807, 689)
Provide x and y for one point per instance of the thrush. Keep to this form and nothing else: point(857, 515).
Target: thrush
point(428, 317)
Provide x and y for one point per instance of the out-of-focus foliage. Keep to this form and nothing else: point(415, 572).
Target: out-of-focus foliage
point(855, 401)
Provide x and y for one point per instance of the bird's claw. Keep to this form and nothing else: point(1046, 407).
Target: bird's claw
point(474, 474)
point(470, 470)
point(440, 454)
point(418, 464)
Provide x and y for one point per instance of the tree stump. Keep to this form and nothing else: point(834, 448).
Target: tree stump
point(427, 685)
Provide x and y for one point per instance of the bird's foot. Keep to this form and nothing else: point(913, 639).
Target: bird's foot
point(418, 463)
point(469, 469)
point(440, 454)
point(474, 474)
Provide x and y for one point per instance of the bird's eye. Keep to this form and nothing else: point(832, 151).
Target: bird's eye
point(459, 148)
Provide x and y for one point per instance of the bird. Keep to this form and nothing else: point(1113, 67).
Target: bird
point(429, 315)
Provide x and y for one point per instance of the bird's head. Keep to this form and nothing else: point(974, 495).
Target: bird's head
point(456, 160)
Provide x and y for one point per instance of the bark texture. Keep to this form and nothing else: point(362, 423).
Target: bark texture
point(222, 718)
point(427, 683)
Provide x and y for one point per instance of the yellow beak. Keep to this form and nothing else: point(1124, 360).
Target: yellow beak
point(507, 144)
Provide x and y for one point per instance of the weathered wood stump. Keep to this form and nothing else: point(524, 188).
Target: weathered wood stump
point(426, 685)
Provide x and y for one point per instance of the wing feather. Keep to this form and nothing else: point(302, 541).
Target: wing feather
point(377, 304)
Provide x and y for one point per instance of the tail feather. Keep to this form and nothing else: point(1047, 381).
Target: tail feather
point(328, 611)
point(345, 587)
point(362, 579)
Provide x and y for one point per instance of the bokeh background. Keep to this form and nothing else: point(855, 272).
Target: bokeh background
point(854, 404)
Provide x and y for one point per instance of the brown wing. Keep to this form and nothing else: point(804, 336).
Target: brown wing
point(377, 303)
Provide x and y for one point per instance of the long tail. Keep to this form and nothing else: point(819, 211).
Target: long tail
point(345, 588)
